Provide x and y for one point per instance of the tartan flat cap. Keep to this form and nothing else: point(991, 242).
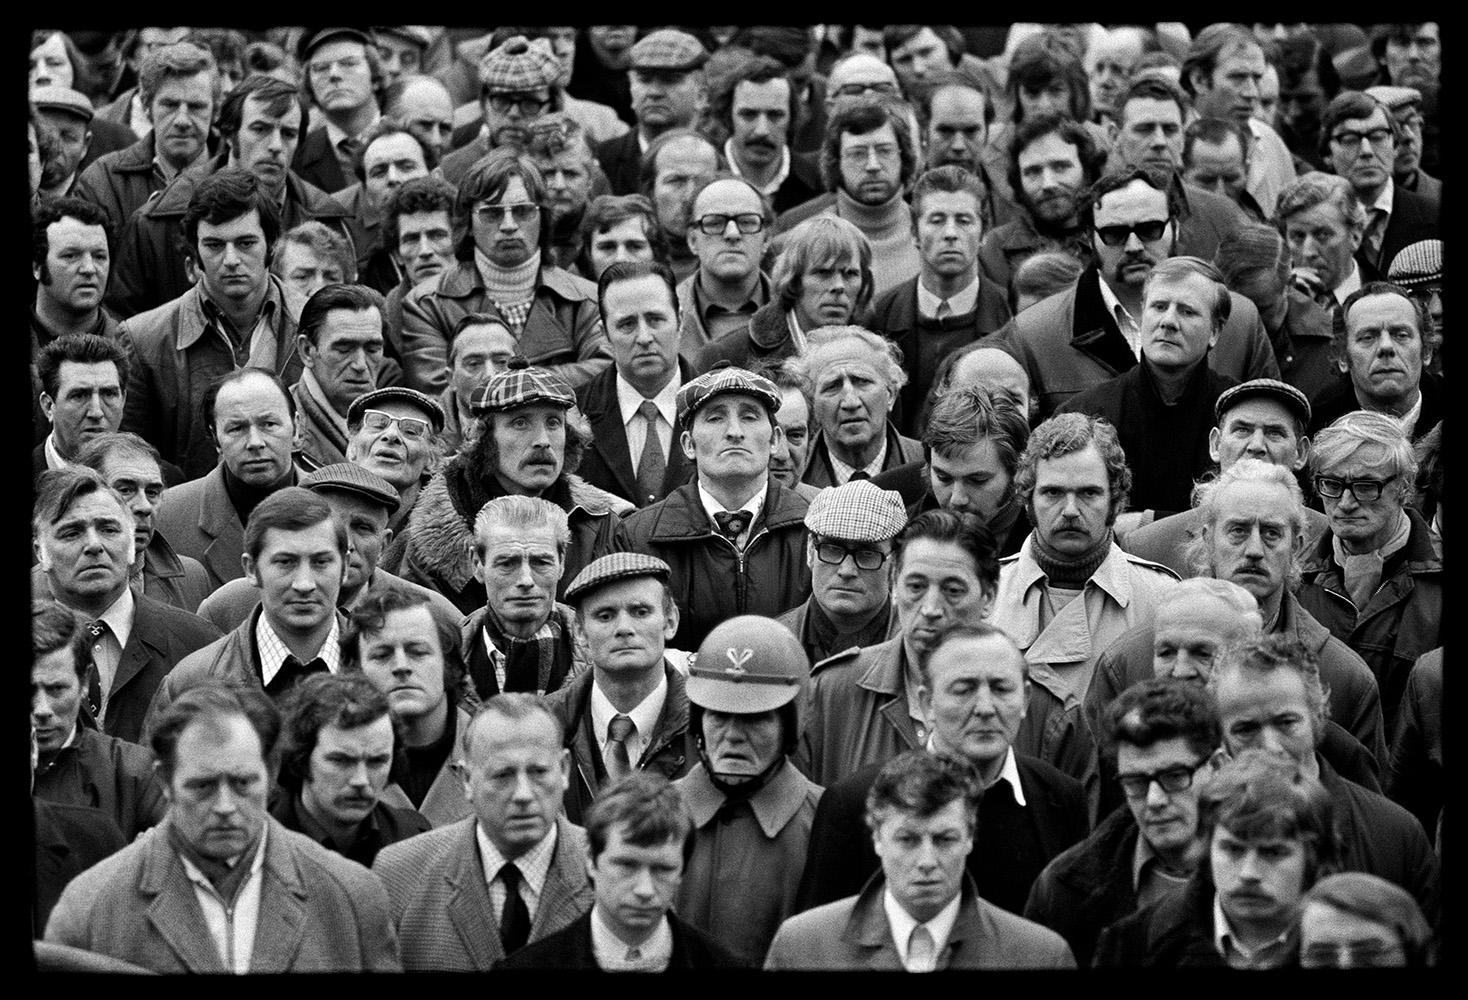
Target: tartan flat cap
point(352, 478)
point(519, 65)
point(1395, 97)
point(63, 99)
point(613, 567)
point(431, 407)
point(857, 512)
point(668, 48)
point(310, 42)
point(721, 380)
point(1417, 263)
point(1293, 399)
point(520, 385)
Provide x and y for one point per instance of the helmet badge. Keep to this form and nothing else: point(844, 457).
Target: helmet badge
point(738, 659)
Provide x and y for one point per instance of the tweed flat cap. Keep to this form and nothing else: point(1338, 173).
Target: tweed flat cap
point(310, 42)
point(613, 567)
point(431, 407)
point(63, 99)
point(520, 385)
point(1293, 399)
point(519, 65)
point(1395, 97)
point(668, 48)
point(1417, 263)
point(415, 33)
point(857, 512)
point(354, 479)
point(721, 380)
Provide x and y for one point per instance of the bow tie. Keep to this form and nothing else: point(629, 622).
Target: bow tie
point(733, 523)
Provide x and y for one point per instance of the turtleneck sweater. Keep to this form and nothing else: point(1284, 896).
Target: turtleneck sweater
point(888, 227)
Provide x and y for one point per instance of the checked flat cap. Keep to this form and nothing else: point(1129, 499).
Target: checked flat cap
point(352, 478)
point(857, 512)
point(613, 567)
point(63, 99)
point(1282, 392)
point(1417, 263)
point(1395, 97)
point(719, 381)
point(519, 65)
point(668, 48)
point(432, 408)
point(520, 385)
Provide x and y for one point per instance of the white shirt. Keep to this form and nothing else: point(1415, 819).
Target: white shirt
point(644, 717)
point(769, 189)
point(1349, 283)
point(233, 929)
point(1124, 320)
point(902, 925)
point(753, 505)
point(273, 649)
point(534, 866)
point(629, 399)
point(53, 457)
point(615, 955)
point(843, 471)
point(137, 116)
point(960, 303)
point(1408, 420)
point(1271, 167)
point(107, 651)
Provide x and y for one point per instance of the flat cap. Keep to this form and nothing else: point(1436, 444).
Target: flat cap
point(668, 48)
point(354, 479)
point(1417, 263)
point(415, 33)
point(520, 385)
point(721, 380)
point(519, 65)
point(857, 512)
point(613, 567)
point(431, 407)
point(63, 99)
point(311, 41)
point(1395, 97)
point(1293, 399)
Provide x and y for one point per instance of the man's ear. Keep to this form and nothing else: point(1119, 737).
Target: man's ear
point(686, 440)
point(1201, 81)
point(925, 703)
point(48, 407)
point(191, 270)
point(1214, 437)
point(1302, 456)
point(162, 784)
point(248, 563)
point(306, 349)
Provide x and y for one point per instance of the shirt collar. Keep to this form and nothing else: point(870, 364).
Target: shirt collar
point(844, 471)
point(168, 173)
point(1349, 283)
point(273, 649)
point(630, 399)
point(777, 802)
point(902, 923)
point(1386, 198)
point(534, 864)
point(775, 182)
point(53, 457)
point(1227, 942)
point(1009, 772)
point(613, 954)
point(644, 715)
point(753, 504)
point(1124, 319)
point(119, 617)
point(962, 302)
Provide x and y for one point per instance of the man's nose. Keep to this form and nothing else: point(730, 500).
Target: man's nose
point(231, 255)
point(1133, 242)
point(1184, 667)
point(1072, 508)
point(303, 580)
point(525, 578)
point(874, 162)
point(401, 665)
point(1254, 544)
point(1155, 795)
point(1256, 443)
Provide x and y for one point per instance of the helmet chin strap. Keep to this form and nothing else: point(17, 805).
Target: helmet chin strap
point(735, 791)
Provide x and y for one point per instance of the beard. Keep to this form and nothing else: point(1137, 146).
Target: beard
point(1052, 213)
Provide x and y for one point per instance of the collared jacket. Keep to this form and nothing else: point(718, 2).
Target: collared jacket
point(572, 949)
point(693, 336)
point(563, 331)
point(168, 578)
point(177, 350)
point(444, 802)
point(1174, 932)
point(105, 773)
point(665, 749)
point(621, 159)
point(900, 451)
point(120, 182)
point(712, 580)
point(202, 522)
point(765, 340)
point(856, 713)
point(741, 879)
point(320, 440)
point(798, 621)
point(1304, 345)
point(69, 840)
point(1005, 247)
point(608, 462)
point(317, 163)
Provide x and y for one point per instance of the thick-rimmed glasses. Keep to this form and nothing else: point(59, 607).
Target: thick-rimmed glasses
point(859, 89)
point(1365, 490)
point(529, 104)
point(1147, 232)
point(1350, 140)
point(493, 215)
point(1178, 778)
point(716, 223)
point(834, 554)
point(411, 428)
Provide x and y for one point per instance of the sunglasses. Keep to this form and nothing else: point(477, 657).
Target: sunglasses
point(834, 554)
point(491, 214)
point(1147, 232)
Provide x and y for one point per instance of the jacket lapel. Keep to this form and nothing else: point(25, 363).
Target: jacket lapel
point(283, 899)
point(565, 883)
point(218, 520)
point(610, 438)
point(469, 908)
point(173, 911)
point(868, 931)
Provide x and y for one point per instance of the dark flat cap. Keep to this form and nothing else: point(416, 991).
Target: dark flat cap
point(415, 33)
point(354, 479)
point(1293, 399)
point(720, 381)
point(521, 384)
point(431, 407)
point(614, 567)
point(312, 41)
point(63, 99)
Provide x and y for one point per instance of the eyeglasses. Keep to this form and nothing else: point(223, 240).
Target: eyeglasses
point(716, 222)
point(491, 214)
point(834, 554)
point(858, 89)
point(411, 428)
point(1147, 232)
point(1178, 778)
point(858, 155)
point(1350, 141)
point(1365, 490)
point(529, 104)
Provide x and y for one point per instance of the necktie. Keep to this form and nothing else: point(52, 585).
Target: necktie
point(1375, 230)
point(652, 465)
point(922, 951)
point(944, 309)
point(515, 917)
point(859, 474)
point(732, 523)
point(95, 631)
point(618, 761)
point(290, 673)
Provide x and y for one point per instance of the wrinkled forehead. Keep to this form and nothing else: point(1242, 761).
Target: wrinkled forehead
point(847, 356)
point(990, 657)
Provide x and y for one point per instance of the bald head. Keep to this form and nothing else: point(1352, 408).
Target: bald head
point(425, 108)
point(860, 68)
point(993, 369)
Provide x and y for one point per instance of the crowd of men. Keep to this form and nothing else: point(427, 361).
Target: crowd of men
point(905, 497)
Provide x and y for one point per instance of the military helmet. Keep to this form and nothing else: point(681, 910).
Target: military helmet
point(748, 665)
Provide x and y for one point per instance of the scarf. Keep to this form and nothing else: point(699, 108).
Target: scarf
point(1070, 572)
point(226, 879)
point(1362, 573)
point(511, 289)
point(539, 663)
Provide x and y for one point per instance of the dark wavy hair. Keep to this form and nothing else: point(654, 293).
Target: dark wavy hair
point(346, 700)
point(1041, 59)
point(1065, 434)
point(370, 615)
point(960, 528)
point(487, 180)
point(919, 782)
point(1162, 708)
point(861, 116)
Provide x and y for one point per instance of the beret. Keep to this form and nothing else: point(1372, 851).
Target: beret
point(354, 479)
point(668, 48)
point(721, 380)
point(63, 99)
point(1417, 263)
point(857, 512)
point(430, 406)
point(613, 567)
point(1293, 399)
point(519, 65)
point(520, 384)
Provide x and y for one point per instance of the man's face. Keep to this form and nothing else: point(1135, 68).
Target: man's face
point(1320, 239)
point(1253, 541)
point(625, 241)
point(137, 479)
point(50, 66)
point(1257, 428)
point(1233, 91)
point(730, 438)
point(1051, 99)
point(217, 791)
point(88, 553)
point(1268, 96)
point(1364, 151)
point(532, 446)
point(791, 450)
point(665, 98)
point(387, 163)
point(563, 44)
point(1409, 144)
point(233, 257)
point(398, 57)
point(1384, 349)
point(937, 585)
point(1417, 60)
point(88, 404)
point(507, 228)
point(1189, 635)
point(56, 698)
point(567, 180)
point(741, 747)
point(1109, 68)
point(845, 588)
point(853, 399)
point(626, 626)
point(957, 131)
point(427, 111)
point(1266, 711)
point(949, 227)
point(404, 659)
point(425, 244)
point(642, 328)
point(519, 569)
point(868, 40)
point(1301, 103)
point(181, 110)
point(479, 352)
point(305, 270)
point(918, 58)
point(975, 698)
point(346, 355)
point(1150, 133)
point(367, 534)
point(73, 138)
point(1071, 507)
point(341, 80)
point(1338, 939)
point(729, 255)
point(1130, 262)
point(611, 42)
point(923, 856)
point(1218, 167)
point(761, 120)
point(254, 430)
point(828, 293)
point(388, 452)
point(1168, 820)
point(681, 164)
point(1050, 177)
point(299, 573)
point(348, 770)
point(265, 143)
point(635, 886)
point(1362, 523)
point(871, 165)
point(1259, 881)
point(1177, 322)
point(517, 775)
point(971, 481)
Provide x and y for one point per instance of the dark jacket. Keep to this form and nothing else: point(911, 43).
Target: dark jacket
point(765, 339)
point(105, 773)
point(1414, 778)
point(316, 162)
point(607, 462)
point(621, 160)
point(1304, 345)
point(120, 182)
point(69, 840)
point(375, 265)
point(384, 825)
point(1174, 932)
point(571, 949)
point(1005, 247)
point(1339, 398)
point(1206, 219)
point(1414, 217)
point(665, 753)
point(900, 451)
point(107, 137)
point(911, 481)
point(456, 164)
point(800, 185)
point(711, 579)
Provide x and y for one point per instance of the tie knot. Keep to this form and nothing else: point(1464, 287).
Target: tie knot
point(921, 950)
point(732, 523)
point(510, 876)
point(619, 728)
point(649, 411)
point(859, 474)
